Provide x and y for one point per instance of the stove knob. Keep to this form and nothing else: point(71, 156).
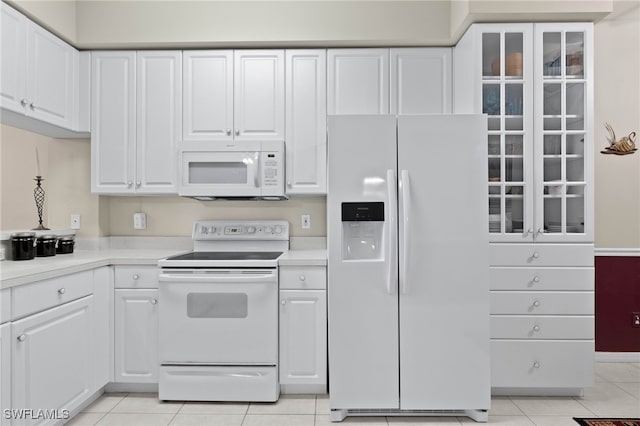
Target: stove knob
point(251, 230)
point(267, 229)
point(212, 230)
point(204, 230)
point(277, 229)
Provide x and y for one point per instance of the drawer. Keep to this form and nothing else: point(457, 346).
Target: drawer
point(303, 278)
point(5, 305)
point(541, 255)
point(542, 303)
point(35, 297)
point(136, 276)
point(542, 327)
point(541, 364)
point(521, 278)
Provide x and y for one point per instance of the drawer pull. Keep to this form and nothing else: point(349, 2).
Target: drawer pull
point(62, 290)
point(536, 279)
point(283, 302)
point(136, 276)
point(302, 278)
point(536, 364)
point(22, 338)
point(536, 328)
point(535, 255)
point(154, 301)
point(536, 304)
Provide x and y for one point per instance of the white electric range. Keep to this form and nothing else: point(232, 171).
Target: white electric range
point(218, 331)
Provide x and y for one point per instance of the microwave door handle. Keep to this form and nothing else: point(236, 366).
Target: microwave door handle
point(256, 177)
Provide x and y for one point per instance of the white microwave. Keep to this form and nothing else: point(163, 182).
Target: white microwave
point(244, 170)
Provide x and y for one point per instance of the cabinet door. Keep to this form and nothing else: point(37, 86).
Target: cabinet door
point(113, 122)
point(136, 336)
point(5, 372)
point(13, 60)
point(259, 94)
point(303, 337)
point(358, 81)
point(507, 99)
point(420, 80)
point(208, 95)
point(306, 136)
point(564, 132)
point(52, 357)
point(52, 77)
point(159, 121)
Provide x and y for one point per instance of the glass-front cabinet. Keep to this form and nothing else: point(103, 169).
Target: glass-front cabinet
point(535, 87)
point(563, 129)
point(507, 99)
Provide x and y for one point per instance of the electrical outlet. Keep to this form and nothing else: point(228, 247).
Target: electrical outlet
point(75, 221)
point(139, 221)
point(305, 221)
point(636, 319)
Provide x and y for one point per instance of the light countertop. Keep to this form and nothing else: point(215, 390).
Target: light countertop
point(14, 273)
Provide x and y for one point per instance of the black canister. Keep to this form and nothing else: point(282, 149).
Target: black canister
point(65, 245)
point(23, 245)
point(46, 245)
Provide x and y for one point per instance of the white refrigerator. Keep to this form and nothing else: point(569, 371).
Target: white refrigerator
point(408, 295)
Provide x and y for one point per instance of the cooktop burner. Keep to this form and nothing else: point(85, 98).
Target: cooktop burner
point(228, 255)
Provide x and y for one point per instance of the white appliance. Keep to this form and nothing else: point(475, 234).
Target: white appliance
point(408, 296)
point(218, 330)
point(243, 170)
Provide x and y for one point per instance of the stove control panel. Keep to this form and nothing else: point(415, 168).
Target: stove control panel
point(241, 230)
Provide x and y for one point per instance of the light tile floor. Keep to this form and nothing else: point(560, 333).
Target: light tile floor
point(616, 393)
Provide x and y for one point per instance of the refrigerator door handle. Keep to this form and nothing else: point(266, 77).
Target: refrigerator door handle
point(406, 207)
point(392, 256)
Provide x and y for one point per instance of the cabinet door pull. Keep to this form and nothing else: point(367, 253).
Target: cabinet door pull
point(22, 338)
point(24, 102)
point(536, 365)
point(302, 278)
point(536, 328)
point(154, 301)
point(536, 279)
point(237, 132)
point(536, 304)
point(62, 290)
point(136, 276)
point(228, 132)
point(283, 302)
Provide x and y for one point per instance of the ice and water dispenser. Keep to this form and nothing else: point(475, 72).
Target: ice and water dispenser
point(362, 231)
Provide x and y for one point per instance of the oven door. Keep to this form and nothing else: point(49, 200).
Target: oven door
point(218, 316)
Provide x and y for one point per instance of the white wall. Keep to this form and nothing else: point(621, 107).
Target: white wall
point(617, 101)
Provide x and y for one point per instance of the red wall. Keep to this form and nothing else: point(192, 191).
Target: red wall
point(617, 296)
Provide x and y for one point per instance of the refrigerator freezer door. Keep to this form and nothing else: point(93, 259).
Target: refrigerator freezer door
point(444, 294)
point(362, 299)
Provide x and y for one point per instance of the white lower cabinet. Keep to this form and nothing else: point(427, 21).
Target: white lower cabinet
point(303, 330)
point(136, 335)
point(5, 372)
point(542, 318)
point(52, 362)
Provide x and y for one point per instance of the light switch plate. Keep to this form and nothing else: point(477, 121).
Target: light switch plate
point(75, 221)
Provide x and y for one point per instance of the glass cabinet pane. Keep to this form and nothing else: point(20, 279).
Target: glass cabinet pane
point(552, 145)
point(514, 169)
point(514, 209)
point(491, 99)
point(494, 145)
point(513, 60)
point(575, 144)
point(514, 145)
point(575, 169)
point(575, 209)
point(495, 209)
point(551, 51)
point(491, 64)
point(553, 215)
point(494, 170)
point(575, 54)
point(575, 106)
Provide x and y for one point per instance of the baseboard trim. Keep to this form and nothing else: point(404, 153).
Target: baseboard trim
point(617, 356)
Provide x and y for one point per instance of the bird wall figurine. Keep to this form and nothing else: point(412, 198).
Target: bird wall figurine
point(623, 146)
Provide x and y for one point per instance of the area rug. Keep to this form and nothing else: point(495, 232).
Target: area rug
point(607, 422)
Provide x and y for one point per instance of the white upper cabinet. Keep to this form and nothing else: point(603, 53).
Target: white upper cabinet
point(306, 118)
point(14, 59)
point(233, 95)
point(113, 123)
point(159, 121)
point(136, 121)
point(259, 94)
point(208, 95)
point(40, 75)
point(420, 80)
point(358, 81)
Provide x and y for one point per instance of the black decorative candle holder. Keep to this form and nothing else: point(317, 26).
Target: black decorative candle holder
point(38, 194)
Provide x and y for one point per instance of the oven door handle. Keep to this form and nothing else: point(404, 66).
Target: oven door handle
point(217, 278)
